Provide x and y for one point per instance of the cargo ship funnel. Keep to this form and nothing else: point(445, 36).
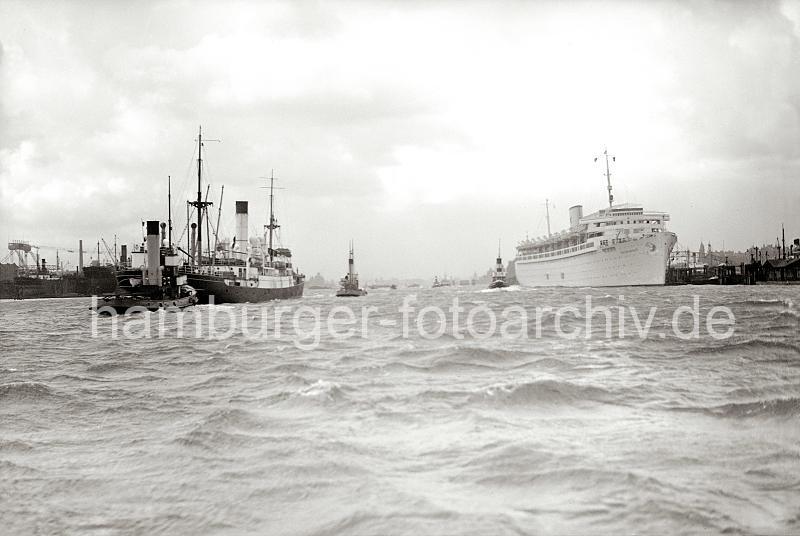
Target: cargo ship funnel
point(241, 225)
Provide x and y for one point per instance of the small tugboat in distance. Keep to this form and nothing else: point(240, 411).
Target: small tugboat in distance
point(151, 282)
point(349, 282)
point(499, 275)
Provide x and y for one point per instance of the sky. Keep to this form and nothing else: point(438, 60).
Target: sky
point(426, 132)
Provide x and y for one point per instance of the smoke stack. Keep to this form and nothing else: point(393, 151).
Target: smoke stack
point(123, 257)
point(241, 225)
point(80, 256)
point(153, 269)
point(575, 215)
point(163, 233)
point(351, 268)
point(44, 264)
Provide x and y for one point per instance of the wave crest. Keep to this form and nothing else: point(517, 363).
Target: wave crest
point(26, 391)
point(748, 347)
point(780, 407)
point(547, 392)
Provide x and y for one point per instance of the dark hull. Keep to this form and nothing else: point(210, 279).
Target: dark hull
point(138, 304)
point(351, 293)
point(94, 281)
point(208, 286)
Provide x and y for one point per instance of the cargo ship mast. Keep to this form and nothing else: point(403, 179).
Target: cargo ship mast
point(272, 223)
point(200, 205)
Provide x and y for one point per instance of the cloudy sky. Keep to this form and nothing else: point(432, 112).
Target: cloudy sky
point(423, 131)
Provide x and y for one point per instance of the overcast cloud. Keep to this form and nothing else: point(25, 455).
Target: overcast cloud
point(423, 131)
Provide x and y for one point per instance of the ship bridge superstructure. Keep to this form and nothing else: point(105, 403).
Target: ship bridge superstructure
point(606, 227)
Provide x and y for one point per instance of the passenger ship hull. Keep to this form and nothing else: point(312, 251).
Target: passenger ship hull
point(211, 285)
point(642, 261)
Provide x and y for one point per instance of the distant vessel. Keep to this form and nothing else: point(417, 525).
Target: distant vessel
point(499, 275)
point(378, 286)
point(618, 246)
point(349, 283)
point(444, 282)
point(250, 270)
point(152, 281)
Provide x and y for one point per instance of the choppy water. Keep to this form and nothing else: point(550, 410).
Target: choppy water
point(403, 435)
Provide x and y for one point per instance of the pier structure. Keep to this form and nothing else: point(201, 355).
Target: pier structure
point(767, 264)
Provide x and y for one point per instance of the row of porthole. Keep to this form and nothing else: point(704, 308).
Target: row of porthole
point(548, 276)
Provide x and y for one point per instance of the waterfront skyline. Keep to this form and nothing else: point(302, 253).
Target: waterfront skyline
point(424, 132)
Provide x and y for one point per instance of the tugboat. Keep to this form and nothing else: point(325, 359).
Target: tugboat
point(349, 283)
point(249, 270)
point(499, 275)
point(151, 282)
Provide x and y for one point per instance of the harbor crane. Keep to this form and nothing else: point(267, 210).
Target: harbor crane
point(112, 255)
point(23, 252)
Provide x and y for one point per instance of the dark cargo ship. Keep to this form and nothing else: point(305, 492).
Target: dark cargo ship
point(249, 269)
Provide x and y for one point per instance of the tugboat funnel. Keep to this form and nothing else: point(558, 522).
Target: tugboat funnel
point(153, 268)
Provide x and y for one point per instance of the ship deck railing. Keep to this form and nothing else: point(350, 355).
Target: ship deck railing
point(579, 247)
point(556, 253)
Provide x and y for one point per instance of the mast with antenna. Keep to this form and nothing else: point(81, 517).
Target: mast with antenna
point(608, 176)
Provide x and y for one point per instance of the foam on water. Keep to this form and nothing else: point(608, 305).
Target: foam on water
point(387, 434)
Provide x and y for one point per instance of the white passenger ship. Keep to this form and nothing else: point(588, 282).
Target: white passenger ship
point(617, 246)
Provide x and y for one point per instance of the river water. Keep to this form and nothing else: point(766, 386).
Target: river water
point(395, 430)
